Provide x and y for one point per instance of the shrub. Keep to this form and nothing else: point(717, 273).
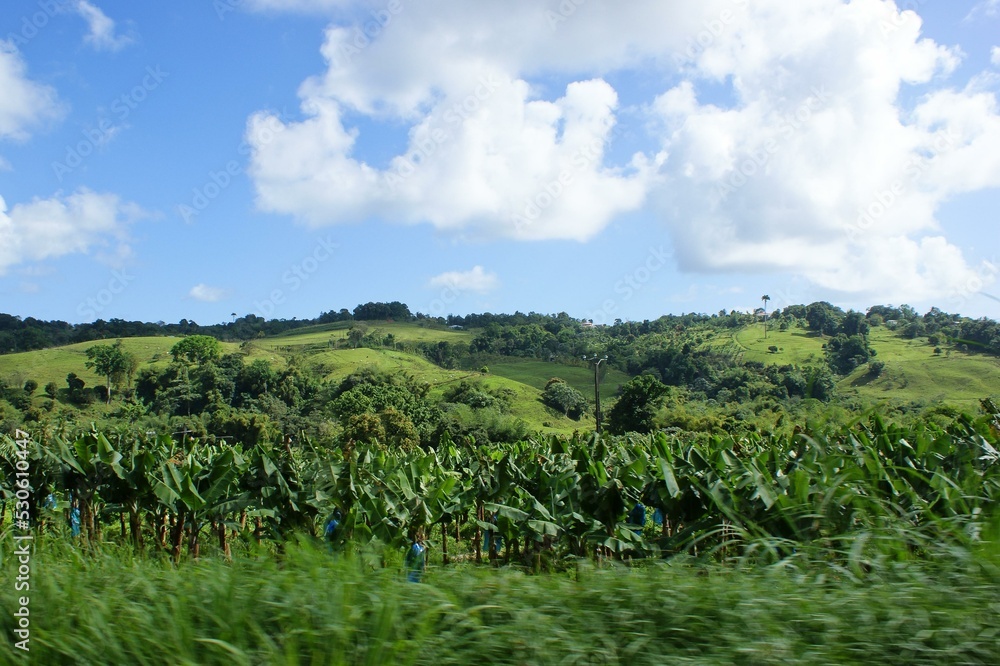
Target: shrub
point(563, 397)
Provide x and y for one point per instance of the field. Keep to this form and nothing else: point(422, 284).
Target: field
point(312, 337)
point(526, 404)
point(871, 542)
point(52, 365)
point(537, 373)
point(314, 608)
point(913, 372)
point(313, 344)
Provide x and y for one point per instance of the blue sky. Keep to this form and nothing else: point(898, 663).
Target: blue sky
point(166, 160)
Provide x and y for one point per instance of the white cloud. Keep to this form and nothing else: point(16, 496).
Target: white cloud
point(207, 294)
point(24, 103)
point(995, 56)
point(512, 122)
point(476, 280)
point(816, 169)
point(102, 34)
point(81, 223)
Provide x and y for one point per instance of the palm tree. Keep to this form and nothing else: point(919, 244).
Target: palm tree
point(765, 298)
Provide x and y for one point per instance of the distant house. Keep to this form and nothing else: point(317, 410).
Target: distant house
point(587, 324)
point(456, 327)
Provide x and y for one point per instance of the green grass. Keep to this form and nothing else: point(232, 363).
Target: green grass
point(310, 607)
point(322, 335)
point(526, 405)
point(913, 372)
point(52, 365)
point(538, 373)
point(797, 346)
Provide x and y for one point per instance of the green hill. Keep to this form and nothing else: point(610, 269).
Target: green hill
point(52, 365)
point(913, 372)
point(325, 335)
point(538, 373)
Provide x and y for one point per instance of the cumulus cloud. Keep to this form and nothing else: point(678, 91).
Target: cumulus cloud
point(816, 168)
point(102, 35)
point(476, 280)
point(207, 294)
point(81, 223)
point(24, 103)
point(488, 153)
point(995, 55)
point(808, 161)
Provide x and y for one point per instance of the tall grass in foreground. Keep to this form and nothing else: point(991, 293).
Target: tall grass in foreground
point(311, 607)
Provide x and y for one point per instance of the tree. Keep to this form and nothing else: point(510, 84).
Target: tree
point(765, 298)
point(357, 334)
point(854, 323)
point(823, 318)
point(636, 408)
point(52, 390)
point(113, 362)
point(563, 397)
point(197, 349)
point(845, 353)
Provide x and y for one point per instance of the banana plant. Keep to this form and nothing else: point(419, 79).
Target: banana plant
point(199, 483)
point(88, 463)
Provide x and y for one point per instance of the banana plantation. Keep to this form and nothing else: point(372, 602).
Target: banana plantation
point(853, 494)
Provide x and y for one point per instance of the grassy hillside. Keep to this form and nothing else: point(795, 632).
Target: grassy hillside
point(797, 346)
point(913, 372)
point(313, 337)
point(537, 373)
point(526, 405)
point(52, 365)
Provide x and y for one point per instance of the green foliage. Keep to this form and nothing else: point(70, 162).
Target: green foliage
point(844, 353)
point(197, 349)
point(823, 318)
point(636, 409)
point(113, 362)
point(564, 398)
point(478, 396)
point(312, 608)
point(398, 400)
point(76, 392)
point(529, 340)
point(382, 311)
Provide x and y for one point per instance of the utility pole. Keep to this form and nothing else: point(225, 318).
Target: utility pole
point(597, 388)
